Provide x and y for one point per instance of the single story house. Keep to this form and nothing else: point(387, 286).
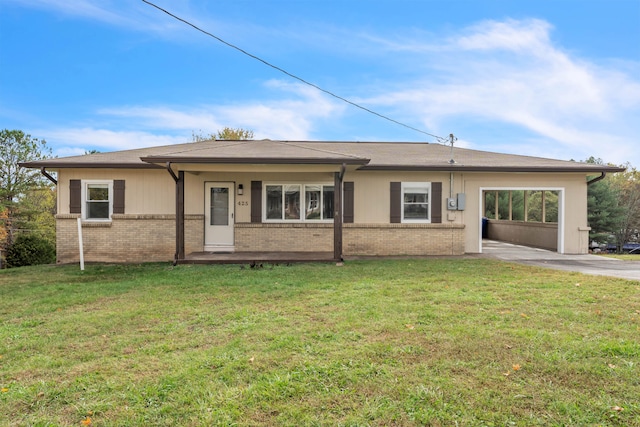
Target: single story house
point(339, 199)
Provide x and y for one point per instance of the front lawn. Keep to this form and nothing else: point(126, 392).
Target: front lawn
point(623, 257)
point(441, 342)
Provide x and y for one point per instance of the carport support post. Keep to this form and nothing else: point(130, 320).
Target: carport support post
point(337, 215)
point(179, 180)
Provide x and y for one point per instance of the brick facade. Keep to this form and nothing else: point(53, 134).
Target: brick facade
point(284, 237)
point(403, 239)
point(151, 238)
point(126, 238)
point(358, 239)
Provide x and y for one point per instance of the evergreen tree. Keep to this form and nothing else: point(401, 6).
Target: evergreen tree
point(604, 211)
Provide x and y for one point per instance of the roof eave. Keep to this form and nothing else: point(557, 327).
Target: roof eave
point(88, 165)
point(457, 168)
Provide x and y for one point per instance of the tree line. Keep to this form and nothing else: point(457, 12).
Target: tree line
point(613, 206)
point(28, 199)
point(27, 202)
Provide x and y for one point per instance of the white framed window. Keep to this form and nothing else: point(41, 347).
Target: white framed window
point(416, 202)
point(97, 200)
point(297, 202)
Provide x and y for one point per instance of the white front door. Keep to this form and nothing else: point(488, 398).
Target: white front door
point(218, 216)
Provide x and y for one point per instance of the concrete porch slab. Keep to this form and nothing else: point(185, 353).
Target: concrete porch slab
point(256, 257)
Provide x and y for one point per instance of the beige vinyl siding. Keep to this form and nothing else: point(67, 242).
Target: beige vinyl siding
point(146, 191)
point(371, 198)
point(194, 187)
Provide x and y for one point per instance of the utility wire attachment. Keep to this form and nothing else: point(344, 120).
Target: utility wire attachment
point(452, 139)
point(438, 138)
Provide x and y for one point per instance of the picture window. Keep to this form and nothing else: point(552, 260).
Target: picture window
point(298, 202)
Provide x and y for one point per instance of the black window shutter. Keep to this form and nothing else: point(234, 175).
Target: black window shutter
point(395, 214)
point(118, 196)
point(347, 212)
point(75, 196)
point(256, 201)
point(436, 202)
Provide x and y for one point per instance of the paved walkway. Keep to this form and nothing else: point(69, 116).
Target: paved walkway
point(588, 264)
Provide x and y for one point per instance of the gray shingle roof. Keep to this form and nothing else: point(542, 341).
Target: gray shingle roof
point(369, 155)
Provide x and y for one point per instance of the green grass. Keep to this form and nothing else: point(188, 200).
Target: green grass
point(469, 342)
point(623, 257)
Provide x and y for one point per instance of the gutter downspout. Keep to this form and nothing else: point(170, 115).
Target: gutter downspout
point(49, 177)
point(598, 178)
point(173, 175)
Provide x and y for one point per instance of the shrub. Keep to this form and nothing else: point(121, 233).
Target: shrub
point(29, 249)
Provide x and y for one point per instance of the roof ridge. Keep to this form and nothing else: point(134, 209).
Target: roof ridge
point(213, 142)
point(319, 150)
point(220, 143)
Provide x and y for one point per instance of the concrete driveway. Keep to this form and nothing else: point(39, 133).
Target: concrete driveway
point(587, 264)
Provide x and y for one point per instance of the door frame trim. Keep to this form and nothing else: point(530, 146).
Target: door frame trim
point(220, 247)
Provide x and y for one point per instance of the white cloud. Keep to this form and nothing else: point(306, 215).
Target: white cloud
point(75, 141)
point(164, 117)
point(291, 117)
point(102, 11)
point(511, 72)
point(294, 117)
point(133, 15)
point(528, 36)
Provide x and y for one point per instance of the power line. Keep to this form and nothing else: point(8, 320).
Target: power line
point(439, 138)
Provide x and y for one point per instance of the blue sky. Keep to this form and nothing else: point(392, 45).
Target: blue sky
point(549, 78)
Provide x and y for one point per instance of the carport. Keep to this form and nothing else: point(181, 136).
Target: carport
point(528, 216)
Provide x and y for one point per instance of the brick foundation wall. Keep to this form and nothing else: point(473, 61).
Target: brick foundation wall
point(358, 239)
point(252, 237)
point(403, 239)
point(151, 238)
point(126, 239)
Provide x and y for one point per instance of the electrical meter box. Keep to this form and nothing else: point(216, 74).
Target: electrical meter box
point(456, 203)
